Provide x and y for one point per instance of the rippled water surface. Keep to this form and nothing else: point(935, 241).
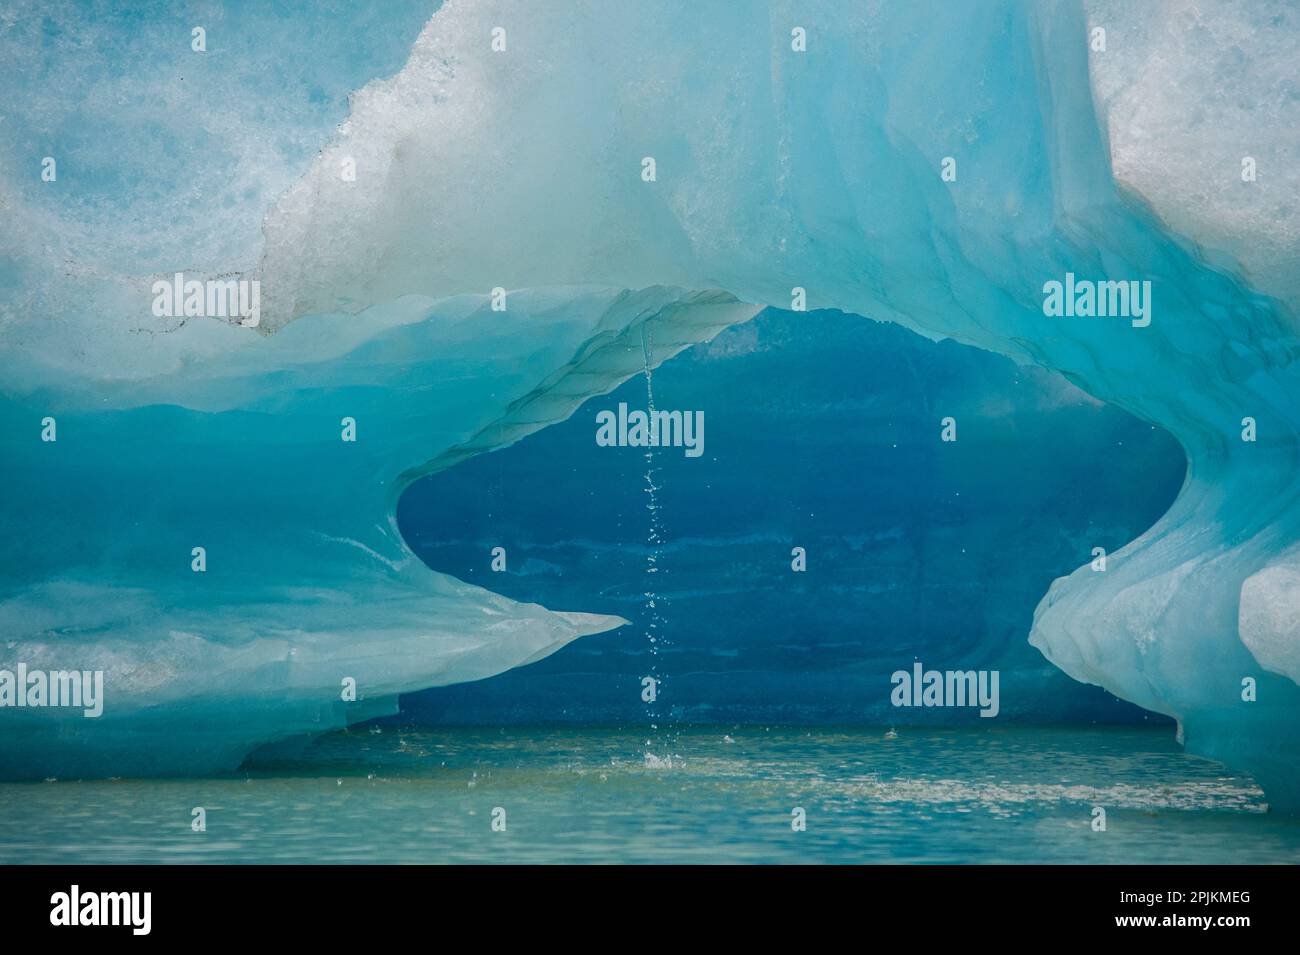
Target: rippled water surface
point(703, 794)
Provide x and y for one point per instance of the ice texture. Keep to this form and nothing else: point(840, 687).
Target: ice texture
point(774, 169)
point(1189, 91)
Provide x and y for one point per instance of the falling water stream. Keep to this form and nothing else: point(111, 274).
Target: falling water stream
point(653, 598)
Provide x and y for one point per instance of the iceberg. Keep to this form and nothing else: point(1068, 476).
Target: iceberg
point(632, 181)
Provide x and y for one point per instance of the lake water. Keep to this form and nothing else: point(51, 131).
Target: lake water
point(699, 794)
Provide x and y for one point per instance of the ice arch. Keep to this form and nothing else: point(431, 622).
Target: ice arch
point(820, 169)
point(775, 169)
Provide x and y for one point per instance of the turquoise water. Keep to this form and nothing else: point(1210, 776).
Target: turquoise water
point(704, 794)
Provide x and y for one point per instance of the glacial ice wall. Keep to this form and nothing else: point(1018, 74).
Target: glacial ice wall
point(774, 168)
